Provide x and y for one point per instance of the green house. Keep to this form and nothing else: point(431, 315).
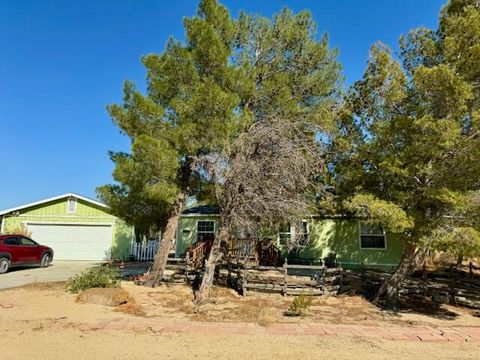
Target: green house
point(355, 243)
point(76, 227)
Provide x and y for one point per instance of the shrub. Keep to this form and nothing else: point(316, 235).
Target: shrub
point(96, 277)
point(300, 305)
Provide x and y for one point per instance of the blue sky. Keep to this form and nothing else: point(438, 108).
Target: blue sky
point(62, 62)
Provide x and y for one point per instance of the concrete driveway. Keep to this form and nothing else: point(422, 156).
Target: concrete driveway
point(57, 271)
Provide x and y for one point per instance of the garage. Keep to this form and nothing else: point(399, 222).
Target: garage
point(75, 226)
point(89, 242)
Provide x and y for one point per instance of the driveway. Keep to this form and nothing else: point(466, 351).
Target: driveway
point(57, 271)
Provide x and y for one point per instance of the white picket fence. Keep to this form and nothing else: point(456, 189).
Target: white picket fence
point(145, 250)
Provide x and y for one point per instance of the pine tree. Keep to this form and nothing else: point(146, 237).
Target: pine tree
point(188, 111)
point(204, 93)
point(409, 152)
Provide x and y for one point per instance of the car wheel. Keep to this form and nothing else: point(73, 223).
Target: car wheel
point(4, 265)
point(45, 260)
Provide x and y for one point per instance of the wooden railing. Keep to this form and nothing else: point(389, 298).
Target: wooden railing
point(243, 248)
point(270, 255)
point(240, 249)
point(197, 255)
point(262, 253)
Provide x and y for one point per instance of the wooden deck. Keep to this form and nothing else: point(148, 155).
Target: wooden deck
point(240, 250)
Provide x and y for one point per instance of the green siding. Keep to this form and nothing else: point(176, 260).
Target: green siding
point(86, 212)
point(325, 235)
point(59, 208)
point(342, 237)
point(123, 235)
point(187, 231)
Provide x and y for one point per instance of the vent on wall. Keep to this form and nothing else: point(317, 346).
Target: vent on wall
point(72, 205)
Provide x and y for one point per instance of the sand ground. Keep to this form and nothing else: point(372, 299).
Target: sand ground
point(43, 321)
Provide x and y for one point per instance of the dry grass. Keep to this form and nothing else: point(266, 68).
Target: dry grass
point(176, 301)
point(267, 317)
point(130, 308)
point(264, 309)
point(104, 296)
point(52, 285)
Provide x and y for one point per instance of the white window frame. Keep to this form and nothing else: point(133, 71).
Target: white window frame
point(205, 232)
point(289, 233)
point(384, 234)
point(75, 201)
point(292, 232)
point(308, 230)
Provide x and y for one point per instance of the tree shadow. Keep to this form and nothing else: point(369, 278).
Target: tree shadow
point(419, 301)
point(422, 305)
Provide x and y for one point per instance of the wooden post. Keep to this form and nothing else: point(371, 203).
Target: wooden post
point(187, 266)
point(322, 278)
point(239, 278)
point(243, 276)
point(339, 264)
point(229, 274)
point(285, 275)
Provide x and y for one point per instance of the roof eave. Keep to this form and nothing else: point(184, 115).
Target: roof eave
point(44, 201)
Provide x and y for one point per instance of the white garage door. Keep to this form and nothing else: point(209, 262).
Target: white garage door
point(74, 242)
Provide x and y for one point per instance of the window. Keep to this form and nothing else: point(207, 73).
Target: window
point(372, 237)
point(304, 233)
point(11, 241)
point(284, 234)
point(27, 242)
point(72, 205)
point(205, 230)
point(286, 231)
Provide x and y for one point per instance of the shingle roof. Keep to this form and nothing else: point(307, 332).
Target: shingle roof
point(201, 210)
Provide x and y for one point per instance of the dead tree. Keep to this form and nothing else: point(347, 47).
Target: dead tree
point(271, 177)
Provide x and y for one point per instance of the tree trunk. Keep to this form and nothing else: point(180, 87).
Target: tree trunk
point(459, 261)
point(411, 258)
point(168, 238)
point(166, 244)
point(216, 253)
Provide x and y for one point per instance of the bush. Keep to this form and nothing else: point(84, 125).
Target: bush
point(300, 305)
point(96, 277)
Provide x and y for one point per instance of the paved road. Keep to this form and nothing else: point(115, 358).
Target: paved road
point(57, 271)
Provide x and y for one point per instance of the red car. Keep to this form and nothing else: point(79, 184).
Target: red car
point(19, 250)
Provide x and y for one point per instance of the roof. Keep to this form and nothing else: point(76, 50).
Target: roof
point(201, 210)
point(67, 195)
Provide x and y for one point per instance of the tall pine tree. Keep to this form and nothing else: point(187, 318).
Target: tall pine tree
point(409, 152)
point(188, 111)
point(204, 92)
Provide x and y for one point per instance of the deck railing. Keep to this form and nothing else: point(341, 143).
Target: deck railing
point(243, 248)
point(269, 254)
point(240, 249)
point(261, 252)
point(198, 253)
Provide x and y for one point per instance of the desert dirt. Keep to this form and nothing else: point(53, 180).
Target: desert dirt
point(43, 321)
